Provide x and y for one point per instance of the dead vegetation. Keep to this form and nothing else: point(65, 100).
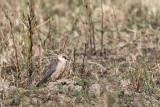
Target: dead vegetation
point(114, 48)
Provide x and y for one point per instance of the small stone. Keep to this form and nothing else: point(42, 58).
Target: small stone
point(52, 86)
point(96, 89)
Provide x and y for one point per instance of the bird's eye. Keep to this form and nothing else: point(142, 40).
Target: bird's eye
point(64, 57)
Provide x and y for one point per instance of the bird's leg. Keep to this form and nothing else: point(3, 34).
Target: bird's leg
point(65, 74)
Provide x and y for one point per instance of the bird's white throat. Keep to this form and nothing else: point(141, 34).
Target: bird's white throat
point(63, 60)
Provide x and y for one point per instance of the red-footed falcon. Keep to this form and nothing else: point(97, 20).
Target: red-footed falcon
point(56, 69)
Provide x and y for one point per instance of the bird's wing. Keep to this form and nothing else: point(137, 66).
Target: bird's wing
point(52, 67)
point(49, 72)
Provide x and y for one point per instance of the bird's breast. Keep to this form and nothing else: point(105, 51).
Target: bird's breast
point(59, 70)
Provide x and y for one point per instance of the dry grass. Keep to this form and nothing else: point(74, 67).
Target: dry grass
point(122, 70)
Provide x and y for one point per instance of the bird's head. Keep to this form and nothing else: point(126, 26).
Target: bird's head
point(62, 57)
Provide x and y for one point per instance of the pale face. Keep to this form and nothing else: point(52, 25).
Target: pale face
point(63, 58)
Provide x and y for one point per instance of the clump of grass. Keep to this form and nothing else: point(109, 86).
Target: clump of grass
point(17, 75)
point(29, 21)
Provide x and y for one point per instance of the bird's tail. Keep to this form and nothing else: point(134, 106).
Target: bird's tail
point(43, 80)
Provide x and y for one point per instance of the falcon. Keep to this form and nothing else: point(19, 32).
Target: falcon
point(55, 69)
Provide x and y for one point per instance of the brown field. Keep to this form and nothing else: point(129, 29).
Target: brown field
point(113, 45)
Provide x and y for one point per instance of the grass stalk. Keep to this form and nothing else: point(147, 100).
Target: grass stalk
point(74, 59)
point(102, 32)
point(31, 25)
point(84, 57)
point(115, 18)
point(91, 25)
point(14, 45)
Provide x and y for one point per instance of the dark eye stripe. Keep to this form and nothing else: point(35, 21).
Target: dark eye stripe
point(65, 57)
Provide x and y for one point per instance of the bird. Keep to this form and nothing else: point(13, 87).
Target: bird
point(55, 69)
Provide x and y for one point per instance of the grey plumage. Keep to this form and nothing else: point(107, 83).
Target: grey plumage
point(50, 71)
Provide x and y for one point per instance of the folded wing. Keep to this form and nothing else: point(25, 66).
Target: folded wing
point(49, 72)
